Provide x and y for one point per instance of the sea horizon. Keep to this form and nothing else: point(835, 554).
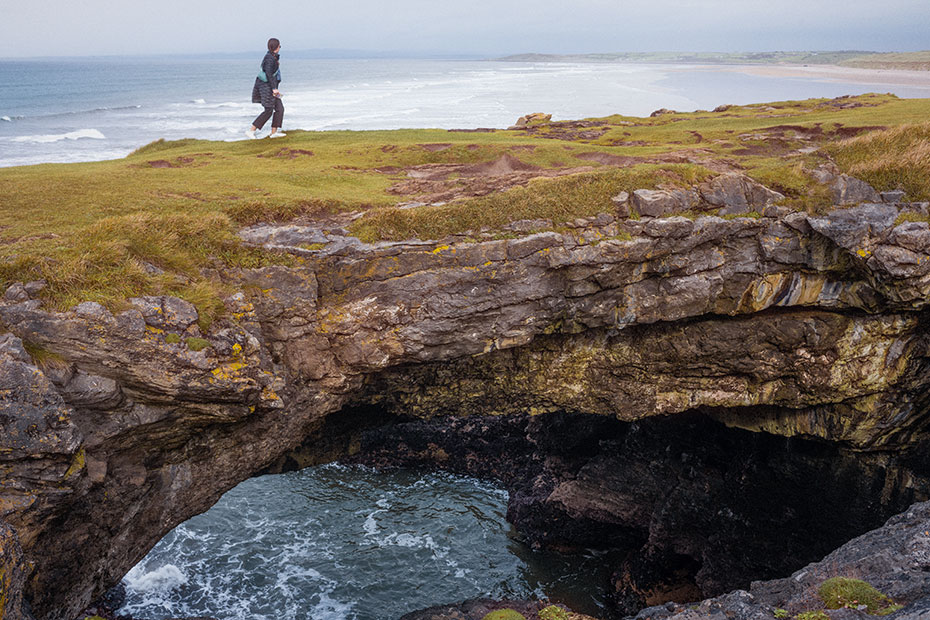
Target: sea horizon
point(81, 110)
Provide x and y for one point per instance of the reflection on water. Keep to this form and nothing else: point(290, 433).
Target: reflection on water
point(339, 542)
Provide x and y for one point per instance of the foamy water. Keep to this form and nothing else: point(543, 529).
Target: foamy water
point(89, 110)
point(349, 543)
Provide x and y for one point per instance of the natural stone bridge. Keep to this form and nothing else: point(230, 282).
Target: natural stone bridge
point(115, 430)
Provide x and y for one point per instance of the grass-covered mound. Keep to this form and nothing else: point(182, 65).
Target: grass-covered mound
point(164, 219)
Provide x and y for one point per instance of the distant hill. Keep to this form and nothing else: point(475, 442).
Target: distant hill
point(912, 61)
point(848, 58)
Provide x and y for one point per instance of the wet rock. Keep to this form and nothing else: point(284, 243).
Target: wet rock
point(659, 203)
point(474, 609)
point(737, 193)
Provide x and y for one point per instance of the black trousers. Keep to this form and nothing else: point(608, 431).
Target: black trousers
point(277, 110)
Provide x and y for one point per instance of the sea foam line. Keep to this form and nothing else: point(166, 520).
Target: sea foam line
point(93, 134)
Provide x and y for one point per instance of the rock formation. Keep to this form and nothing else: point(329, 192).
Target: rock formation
point(116, 428)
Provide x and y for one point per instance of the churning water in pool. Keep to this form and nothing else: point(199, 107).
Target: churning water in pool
point(348, 542)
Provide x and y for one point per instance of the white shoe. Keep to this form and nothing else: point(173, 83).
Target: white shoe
point(250, 133)
point(278, 134)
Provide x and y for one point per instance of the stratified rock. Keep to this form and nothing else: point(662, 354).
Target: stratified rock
point(737, 193)
point(474, 609)
point(849, 190)
point(12, 575)
point(92, 392)
point(799, 326)
point(660, 202)
point(166, 312)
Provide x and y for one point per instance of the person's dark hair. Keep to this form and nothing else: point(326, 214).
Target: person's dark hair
point(273, 44)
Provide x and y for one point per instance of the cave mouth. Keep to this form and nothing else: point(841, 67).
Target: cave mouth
point(349, 542)
point(607, 516)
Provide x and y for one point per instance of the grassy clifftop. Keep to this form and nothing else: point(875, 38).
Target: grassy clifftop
point(164, 219)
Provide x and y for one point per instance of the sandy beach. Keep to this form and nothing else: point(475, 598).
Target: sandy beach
point(832, 73)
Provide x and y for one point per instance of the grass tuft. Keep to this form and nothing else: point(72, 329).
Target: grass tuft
point(845, 592)
point(561, 200)
point(896, 158)
point(197, 344)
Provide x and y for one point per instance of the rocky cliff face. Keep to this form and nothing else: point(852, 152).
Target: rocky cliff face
point(117, 428)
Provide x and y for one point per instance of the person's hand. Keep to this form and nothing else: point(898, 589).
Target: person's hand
point(276, 92)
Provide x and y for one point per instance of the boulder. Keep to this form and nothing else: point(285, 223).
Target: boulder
point(622, 200)
point(737, 193)
point(662, 111)
point(164, 312)
point(661, 202)
point(892, 196)
point(849, 190)
point(535, 118)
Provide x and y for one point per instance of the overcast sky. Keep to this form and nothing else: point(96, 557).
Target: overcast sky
point(491, 27)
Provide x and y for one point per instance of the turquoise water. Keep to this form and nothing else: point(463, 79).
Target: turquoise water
point(83, 110)
point(349, 543)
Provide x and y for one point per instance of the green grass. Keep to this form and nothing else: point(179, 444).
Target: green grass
point(897, 158)
point(197, 344)
point(842, 592)
point(164, 219)
point(560, 200)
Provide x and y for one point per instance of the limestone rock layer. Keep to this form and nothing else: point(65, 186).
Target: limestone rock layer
point(116, 428)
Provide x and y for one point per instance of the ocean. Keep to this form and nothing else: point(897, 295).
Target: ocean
point(339, 542)
point(56, 111)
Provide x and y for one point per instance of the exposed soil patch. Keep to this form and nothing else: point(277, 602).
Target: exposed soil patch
point(850, 132)
point(435, 148)
point(608, 159)
point(628, 143)
point(288, 153)
point(180, 162)
point(445, 182)
point(568, 130)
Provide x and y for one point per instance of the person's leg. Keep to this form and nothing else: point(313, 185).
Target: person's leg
point(278, 119)
point(262, 118)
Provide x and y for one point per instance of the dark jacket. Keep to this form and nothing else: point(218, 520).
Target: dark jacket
point(263, 92)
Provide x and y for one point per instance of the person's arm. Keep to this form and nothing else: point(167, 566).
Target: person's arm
point(270, 67)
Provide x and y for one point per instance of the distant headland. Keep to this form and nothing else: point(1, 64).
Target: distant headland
point(908, 61)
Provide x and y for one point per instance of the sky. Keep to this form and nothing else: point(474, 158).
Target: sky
point(37, 28)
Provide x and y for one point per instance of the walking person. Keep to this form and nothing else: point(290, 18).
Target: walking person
point(266, 93)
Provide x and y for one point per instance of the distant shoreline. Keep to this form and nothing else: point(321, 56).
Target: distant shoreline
point(836, 73)
point(901, 61)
